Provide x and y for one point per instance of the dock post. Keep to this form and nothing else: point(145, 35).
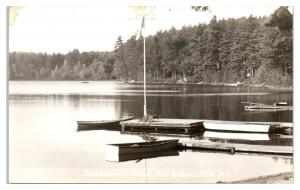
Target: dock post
point(123, 128)
point(232, 150)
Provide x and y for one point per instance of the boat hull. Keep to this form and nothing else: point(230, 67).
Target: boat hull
point(83, 126)
point(144, 147)
point(268, 108)
point(98, 125)
point(250, 128)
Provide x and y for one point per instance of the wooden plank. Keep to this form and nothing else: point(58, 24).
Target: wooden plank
point(264, 149)
point(242, 148)
point(160, 134)
point(213, 147)
point(164, 123)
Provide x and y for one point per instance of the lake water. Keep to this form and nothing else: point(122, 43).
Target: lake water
point(44, 146)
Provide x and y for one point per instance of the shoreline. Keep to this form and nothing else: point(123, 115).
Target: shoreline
point(280, 178)
point(238, 85)
point(289, 88)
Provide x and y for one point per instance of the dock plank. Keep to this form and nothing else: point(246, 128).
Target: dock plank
point(213, 147)
point(242, 148)
point(164, 122)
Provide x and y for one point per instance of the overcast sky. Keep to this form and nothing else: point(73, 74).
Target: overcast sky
point(62, 29)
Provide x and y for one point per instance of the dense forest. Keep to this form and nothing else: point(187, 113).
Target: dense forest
point(257, 50)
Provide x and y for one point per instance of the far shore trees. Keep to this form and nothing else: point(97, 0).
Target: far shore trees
point(248, 49)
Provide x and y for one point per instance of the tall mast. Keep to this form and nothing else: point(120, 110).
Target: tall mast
point(145, 99)
point(143, 12)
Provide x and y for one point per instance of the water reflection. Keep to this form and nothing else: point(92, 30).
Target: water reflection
point(170, 101)
point(237, 136)
point(227, 137)
point(45, 147)
point(112, 156)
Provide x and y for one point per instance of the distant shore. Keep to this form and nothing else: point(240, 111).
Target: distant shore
point(238, 84)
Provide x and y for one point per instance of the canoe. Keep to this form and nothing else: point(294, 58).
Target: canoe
point(102, 124)
point(237, 127)
point(142, 147)
point(111, 157)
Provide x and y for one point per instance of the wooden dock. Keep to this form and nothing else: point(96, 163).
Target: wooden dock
point(190, 126)
point(237, 148)
point(181, 126)
point(206, 146)
point(169, 127)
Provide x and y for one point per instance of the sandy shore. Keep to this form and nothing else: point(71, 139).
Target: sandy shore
point(281, 178)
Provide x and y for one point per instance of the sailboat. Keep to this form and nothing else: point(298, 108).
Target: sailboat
point(153, 146)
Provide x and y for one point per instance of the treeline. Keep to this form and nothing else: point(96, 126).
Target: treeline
point(253, 49)
point(71, 66)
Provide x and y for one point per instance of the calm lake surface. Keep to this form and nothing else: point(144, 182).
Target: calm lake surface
point(45, 147)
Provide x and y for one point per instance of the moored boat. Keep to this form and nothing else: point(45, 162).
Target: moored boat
point(102, 124)
point(268, 108)
point(237, 127)
point(142, 147)
point(259, 107)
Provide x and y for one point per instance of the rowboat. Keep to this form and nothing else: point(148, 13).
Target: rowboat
point(259, 107)
point(142, 147)
point(268, 108)
point(102, 124)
